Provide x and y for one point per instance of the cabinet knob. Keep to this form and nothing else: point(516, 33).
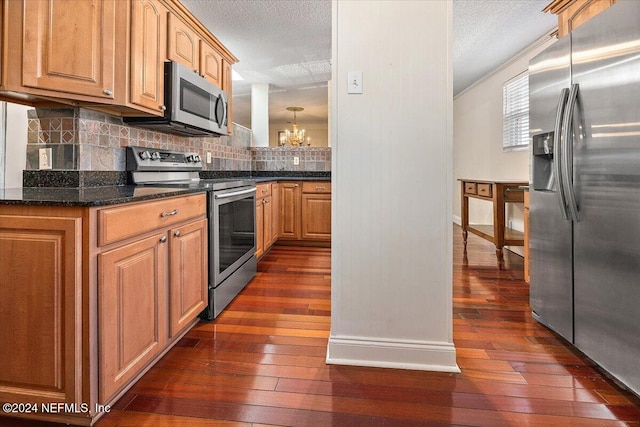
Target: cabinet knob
point(295, 185)
point(163, 107)
point(107, 92)
point(163, 239)
point(176, 233)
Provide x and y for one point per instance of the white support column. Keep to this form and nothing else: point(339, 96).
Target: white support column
point(391, 245)
point(260, 114)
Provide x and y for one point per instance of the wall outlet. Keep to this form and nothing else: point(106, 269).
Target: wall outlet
point(296, 160)
point(45, 161)
point(510, 225)
point(208, 156)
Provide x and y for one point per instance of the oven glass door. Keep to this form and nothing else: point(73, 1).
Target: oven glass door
point(234, 230)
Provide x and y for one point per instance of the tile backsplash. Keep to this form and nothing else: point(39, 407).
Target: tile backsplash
point(85, 140)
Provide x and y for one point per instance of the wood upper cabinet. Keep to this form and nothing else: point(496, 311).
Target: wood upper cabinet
point(188, 278)
point(290, 210)
point(183, 44)
point(227, 86)
point(148, 39)
point(132, 317)
point(68, 46)
point(210, 64)
point(573, 13)
point(40, 309)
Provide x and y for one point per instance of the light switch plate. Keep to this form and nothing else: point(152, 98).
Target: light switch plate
point(354, 82)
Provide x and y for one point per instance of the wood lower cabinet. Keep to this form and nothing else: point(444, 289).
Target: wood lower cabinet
point(275, 211)
point(41, 292)
point(88, 306)
point(132, 319)
point(188, 278)
point(164, 239)
point(148, 39)
point(305, 211)
point(264, 218)
point(290, 210)
point(3, 45)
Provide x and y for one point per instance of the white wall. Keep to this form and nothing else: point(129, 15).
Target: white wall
point(392, 235)
point(16, 144)
point(477, 139)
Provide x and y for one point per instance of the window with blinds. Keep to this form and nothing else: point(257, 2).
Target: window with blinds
point(515, 113)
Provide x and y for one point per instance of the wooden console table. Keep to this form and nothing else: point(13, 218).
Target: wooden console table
point(500, 193)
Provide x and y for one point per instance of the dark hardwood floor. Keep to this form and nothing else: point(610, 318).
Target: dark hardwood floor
point(262, 362)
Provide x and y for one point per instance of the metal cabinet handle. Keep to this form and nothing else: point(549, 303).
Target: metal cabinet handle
point(166, 214)
point(163, 239)
point(107, 92)
point(567, 154)
point(557, 152)
point(264, 190)
point(163, 107)
point(176, 233)
point(319, 188)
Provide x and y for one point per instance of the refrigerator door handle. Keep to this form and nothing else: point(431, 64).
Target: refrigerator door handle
point(567, 153)
point(557, 152)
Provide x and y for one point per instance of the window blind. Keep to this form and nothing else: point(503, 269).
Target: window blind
point(515, 113)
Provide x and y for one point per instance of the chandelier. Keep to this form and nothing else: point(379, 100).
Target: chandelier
point(294, 137)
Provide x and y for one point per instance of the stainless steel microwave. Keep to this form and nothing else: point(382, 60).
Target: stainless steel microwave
point(194, 107)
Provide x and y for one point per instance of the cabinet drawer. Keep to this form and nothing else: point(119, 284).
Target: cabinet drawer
point(484, 190)
point(470, 188)
point(316, 187)
point(123, 221)
point(263, 190)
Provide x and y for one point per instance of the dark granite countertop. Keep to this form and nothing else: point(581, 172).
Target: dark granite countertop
point(114, 194)
point(87, 196)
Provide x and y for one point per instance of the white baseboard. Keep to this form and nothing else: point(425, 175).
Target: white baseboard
point(457, 220)
point(401, 354)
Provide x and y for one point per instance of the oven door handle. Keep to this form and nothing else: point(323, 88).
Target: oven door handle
point(235, 193)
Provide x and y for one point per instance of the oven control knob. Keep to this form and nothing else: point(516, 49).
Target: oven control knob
point(196, 158)
point(144, 155)
point(155, 156)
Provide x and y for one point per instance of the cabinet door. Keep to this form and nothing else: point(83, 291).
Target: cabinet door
point(259, 227)
point(268, 218)
point(148, 29)
point(68, 46)
point(40, 309)
point(183, 43)
point(227, 86)
point(210, 64)
point(316, 216)
point(3, 47)
point(290, 210)
point(131, 310)
point(275, 212)
point(188, 288)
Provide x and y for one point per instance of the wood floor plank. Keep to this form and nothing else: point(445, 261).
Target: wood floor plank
point(262, 362)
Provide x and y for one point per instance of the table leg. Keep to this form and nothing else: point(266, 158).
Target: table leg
point(498, 221)
point(464, 214)
point(500, 257)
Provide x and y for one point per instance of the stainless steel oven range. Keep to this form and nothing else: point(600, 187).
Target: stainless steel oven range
point(231, 213)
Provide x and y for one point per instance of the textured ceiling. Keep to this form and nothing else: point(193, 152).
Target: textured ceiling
point(287, 43)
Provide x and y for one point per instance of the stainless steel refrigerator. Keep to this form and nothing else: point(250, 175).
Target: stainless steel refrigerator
point(585, 189)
